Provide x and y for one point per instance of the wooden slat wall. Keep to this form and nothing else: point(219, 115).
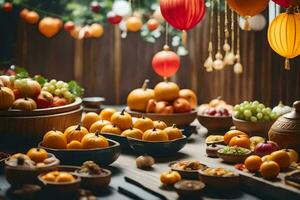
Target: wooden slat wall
point(264, 78)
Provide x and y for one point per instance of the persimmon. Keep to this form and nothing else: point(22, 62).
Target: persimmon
point(94, 140)
point(143, 123)
point(24, 13)
point(75, 133)
point(49, 26)
point(173, 132)
point(122, 120)
point(106, 113)
point(155, 135)
point(37, 154)
point(269, 169)
point(64, 177)
point(159, 125)
point(282, 158)
point(32, 17)
point(240, 141)
point(74, 145)
point(253, 163)
point(49, 177)
point(133, 133)
point(166, 91)
point(170, 178)
point(96, 30)
point(111, 129)
point(232, 133)
point(55, 139)
point(98, 125)
point(89, 119)
point(134, 24)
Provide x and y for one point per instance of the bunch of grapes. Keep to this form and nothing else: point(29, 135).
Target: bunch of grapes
point(60, 89)
point(254, 111)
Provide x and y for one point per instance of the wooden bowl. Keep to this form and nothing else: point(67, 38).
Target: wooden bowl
point(157, 149)
point(18, 175)
point(253, 128)
point(60, 189)
point(180, 119)
point(231, 158)
point(215, 124)
point(101, 156)
point(186, 174)
point(220, 182)
point(92, 102)
point(189, 189)
point(95, 182)
point(118, 138)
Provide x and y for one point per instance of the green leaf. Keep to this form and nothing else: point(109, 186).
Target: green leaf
point(75, 89)
point(40, 79)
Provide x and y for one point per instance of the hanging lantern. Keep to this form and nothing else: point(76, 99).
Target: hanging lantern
point(248, 8)
point(287, 3)
point(284, 36)
point(166, 63)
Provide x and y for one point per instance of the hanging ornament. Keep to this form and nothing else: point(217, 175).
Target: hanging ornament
point(226, 46)
point(113, 18)
point(134, 24)
point(248, 8)
point(230, 57)
point(238, 68)
point(153, 24)
point(69, 26)
point(284, 35)
point(122, 8)
point(218, 63)
point(96, 30)
point(166, 63)
point(257, 22)
point(7, 7)
point(208, 64)
point(287, 3)
point(49, 26)
point(183, 14)
point(95, 6)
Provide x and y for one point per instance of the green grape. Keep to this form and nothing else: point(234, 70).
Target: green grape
point(266, 118)
point(261, 106)
point(67, 95)
point(273, 115)
point(57, 92)
point(247, 118)
point(258, 110)
point(269, 110)
point(259, 115)
point(253, 109)
point(256, 103)
point(59, 84)
point(64, 90)
point(247, 113)
point(46, 84)
point(51, 88)
point(253, 119)
point(265, 111)
point(237, 114)
point(246, 102)
point(237, 107)
point(53, 81)
point(66, 85)
point(45, 88)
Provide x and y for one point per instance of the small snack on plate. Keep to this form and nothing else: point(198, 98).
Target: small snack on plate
point(214, 139)
point(90, 168)
point(221, 172)
point(188, 165)
point(234, 150)
point(212, 150)
point(58, 177)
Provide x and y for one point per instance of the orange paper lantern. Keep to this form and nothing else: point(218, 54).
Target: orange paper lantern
point(248, 8)
point(284, 36)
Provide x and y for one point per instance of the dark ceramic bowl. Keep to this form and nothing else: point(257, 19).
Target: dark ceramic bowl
point(92, 102)
point(186, 174)
point(101, 156)
point(157, 148)
point(118, 138)
point(232, 158)
point(215, 124)
point(4, 156)
point(95, 182)
point(189, 189)
point(18, 175)
point(253, 128)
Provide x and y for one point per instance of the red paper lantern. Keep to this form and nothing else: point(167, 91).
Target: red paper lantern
point(287, 3)
point(166, 63)
point(182, 14)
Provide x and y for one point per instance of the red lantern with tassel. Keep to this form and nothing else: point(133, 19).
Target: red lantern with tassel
point(182, 14)
point(166, 63)
point(287, 3)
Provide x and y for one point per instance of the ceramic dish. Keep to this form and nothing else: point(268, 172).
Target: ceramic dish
point(118, 138)
point(180, 119)
point(189, 189)
point(218, 181)
point(92, 102)
point(215, 124)
point(191, 174)
point(214, 139)
point(19, 175)
point(103, 156)
point(95, 182)
point(165, 148)
point(253, 128)
point(233, 158)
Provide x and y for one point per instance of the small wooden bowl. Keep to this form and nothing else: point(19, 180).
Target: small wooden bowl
point(189, 188)
point(180, 119)
point(61, 189)
point(215, 124)
point(253, 128)
point(18, 175)
point(186, 174)
point(101, 156)
point(118, 138)
point(157, 149)
point(92, 102)
point(231, 158)
point(95, 182)
point(220, 182)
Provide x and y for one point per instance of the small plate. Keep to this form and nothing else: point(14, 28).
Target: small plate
point(232, 158)
point(164, 148)
point(92, 102)
point(95, 182)
point(187, 174)
point(101, 156)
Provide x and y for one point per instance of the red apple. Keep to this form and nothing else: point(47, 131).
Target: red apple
point(168, 110)
point(160, 106)
point(57, 101)
point(69, 26)
point(151, 106)
point(266, 148)
point(17, 93)
point(190, 96)
point(28, 87)
point(182, 105)
point(44, 100)
point(113, 18)
point(6, 81)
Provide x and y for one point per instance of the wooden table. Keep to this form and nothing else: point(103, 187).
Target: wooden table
point(195, 149)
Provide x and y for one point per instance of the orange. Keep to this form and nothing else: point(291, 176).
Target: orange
point(37, 154)
point(94, 140)
point(134, 24)
point(173, 132)
point(282, 158)
point(74, 145)
point(122, 120)
point(170, 178)
point(64, 177)
point(89, 119)
point(230, 134)
point(55, 140)
point(106, 113)
point(49, 177)
point(133, 133)
point(269, 169)
point(155, 135)
point(98, 125)
point(253, 163)
point(240, 141)
point(96, 30)
point(111, 129)
point(32, 17)
point(143, 124)
point(159, 125)
point(75, 133)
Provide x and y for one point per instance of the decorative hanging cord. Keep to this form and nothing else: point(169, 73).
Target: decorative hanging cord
point(238, 40)
point(166, 47)
point(40, 11)
point(232, 31)
point(219, 26)
point(226, 31)
point(208, 64)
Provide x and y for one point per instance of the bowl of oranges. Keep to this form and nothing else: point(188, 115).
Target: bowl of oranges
point(77, 142)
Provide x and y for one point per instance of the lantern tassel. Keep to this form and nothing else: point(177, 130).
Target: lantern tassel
point(184, 38)
point(247, 26)
point(287, 64)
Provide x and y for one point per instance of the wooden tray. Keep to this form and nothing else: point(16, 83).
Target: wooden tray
point(46, 111)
